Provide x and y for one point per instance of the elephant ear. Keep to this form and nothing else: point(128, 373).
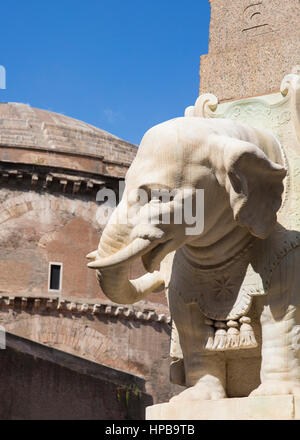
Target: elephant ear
point(255, 187)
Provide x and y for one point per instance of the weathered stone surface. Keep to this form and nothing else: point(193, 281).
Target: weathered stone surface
point(238, 23)
point(252, 46)
point(127, 343)
point(29, 135)
point(51, 168)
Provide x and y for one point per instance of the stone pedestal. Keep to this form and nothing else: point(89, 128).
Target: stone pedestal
point(249, 408)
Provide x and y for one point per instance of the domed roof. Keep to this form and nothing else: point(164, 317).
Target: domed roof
point(29, 129)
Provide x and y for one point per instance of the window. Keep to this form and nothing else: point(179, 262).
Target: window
point(55, 277)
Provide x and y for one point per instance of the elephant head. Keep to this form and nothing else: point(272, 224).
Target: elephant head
point(241, 172)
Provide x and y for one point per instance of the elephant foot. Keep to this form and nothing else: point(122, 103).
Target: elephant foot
point(276, 388)
point(201, 391)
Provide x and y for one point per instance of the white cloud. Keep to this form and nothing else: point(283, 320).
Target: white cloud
point(111, 115)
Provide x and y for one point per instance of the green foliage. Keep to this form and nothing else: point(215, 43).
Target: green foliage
point(128, 391)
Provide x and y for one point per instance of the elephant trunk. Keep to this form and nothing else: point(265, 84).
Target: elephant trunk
point(113, 259)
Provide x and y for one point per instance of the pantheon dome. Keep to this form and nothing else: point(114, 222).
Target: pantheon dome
point(29, 135)
point(51, 168)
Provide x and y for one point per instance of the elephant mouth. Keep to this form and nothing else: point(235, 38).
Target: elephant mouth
point(152, 259)
point(151, 253)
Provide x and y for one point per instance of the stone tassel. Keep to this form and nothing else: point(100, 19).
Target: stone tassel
point(210, 334)
point(220, 336)
point(233, 335)
point(247, 337)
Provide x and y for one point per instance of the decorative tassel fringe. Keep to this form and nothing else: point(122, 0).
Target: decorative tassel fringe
point(210, 334)
point(233, 336)
point(220, 337)
point(247, 337)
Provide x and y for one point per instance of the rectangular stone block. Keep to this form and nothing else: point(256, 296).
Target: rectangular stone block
point(252, 46)
point(237, 23)
point(250, 70)
point(248, 408)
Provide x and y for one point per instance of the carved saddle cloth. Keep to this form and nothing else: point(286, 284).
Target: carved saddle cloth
point(224, 294)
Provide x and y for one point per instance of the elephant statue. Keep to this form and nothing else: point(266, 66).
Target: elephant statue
point(239, 258)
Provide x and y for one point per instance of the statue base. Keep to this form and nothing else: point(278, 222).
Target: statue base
point(285, 407)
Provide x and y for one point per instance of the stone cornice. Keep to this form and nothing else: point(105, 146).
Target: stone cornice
point(38, 304)
point(74, 162)
point(49, 178)
point(69, 154)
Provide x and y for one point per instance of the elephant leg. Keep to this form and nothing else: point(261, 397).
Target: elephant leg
point(205, 372)
point(280, 320)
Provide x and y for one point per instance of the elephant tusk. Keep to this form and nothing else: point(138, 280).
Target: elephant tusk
point(92, 255)
point(97, 264)
point(134, 250)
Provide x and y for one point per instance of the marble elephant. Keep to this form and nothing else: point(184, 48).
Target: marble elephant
point(241, 254)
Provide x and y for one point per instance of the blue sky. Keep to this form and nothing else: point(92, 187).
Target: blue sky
point(121, 65)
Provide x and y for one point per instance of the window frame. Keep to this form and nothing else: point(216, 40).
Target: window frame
point(55, 263)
